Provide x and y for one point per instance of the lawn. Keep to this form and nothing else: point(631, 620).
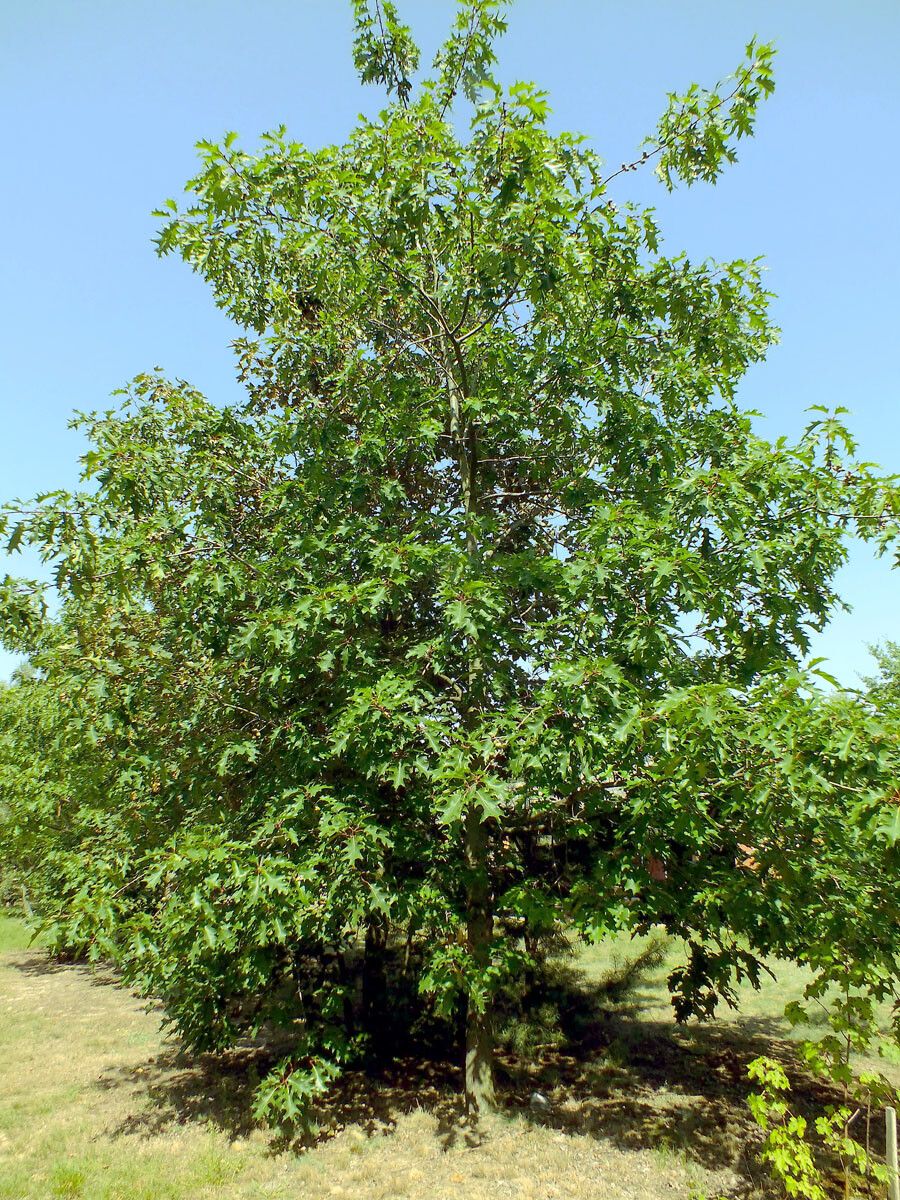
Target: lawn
point(96, 1102)
point(759, 1011)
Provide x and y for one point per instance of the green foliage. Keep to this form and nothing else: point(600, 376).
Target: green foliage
point(286, 1096)
point(697, 133)
point(478, 619)
point(849, 981)
point(463, 64)
point(883, 689)
point(785, 1148)
point(793, 1147)
point(383, 49)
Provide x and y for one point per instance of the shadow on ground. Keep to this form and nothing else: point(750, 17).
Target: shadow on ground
point(183, 1089)
point(37, 965)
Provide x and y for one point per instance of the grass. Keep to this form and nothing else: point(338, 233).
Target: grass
point(14, 935)
point(97, 1104)
point(758, 1011)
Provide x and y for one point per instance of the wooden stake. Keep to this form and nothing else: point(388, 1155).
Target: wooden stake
point(890, 1118)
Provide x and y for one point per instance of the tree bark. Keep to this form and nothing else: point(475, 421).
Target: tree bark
point(479, 1070)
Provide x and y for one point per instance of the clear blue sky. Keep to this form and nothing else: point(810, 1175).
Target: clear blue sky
point(105, 99)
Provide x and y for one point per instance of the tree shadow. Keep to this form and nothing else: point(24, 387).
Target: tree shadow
point(622, 1075)
point(37, 964)
point(181, 1089)
point(612, 1075)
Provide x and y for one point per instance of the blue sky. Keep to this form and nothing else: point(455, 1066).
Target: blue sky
point(105, 99)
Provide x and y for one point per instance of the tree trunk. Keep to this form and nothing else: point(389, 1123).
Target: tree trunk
point(346, 986)
point(479, 1067)
point(374, 985)
point(479, 1070)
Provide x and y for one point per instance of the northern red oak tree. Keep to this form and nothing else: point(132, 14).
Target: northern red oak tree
point(487, 595)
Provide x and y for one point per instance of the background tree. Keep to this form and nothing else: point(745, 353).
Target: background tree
point(883, 689)
point(486, 599)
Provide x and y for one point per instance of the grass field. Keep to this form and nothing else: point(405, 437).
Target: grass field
point(96, 1103)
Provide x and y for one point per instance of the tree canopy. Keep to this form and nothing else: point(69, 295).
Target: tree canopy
point(481, 616)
